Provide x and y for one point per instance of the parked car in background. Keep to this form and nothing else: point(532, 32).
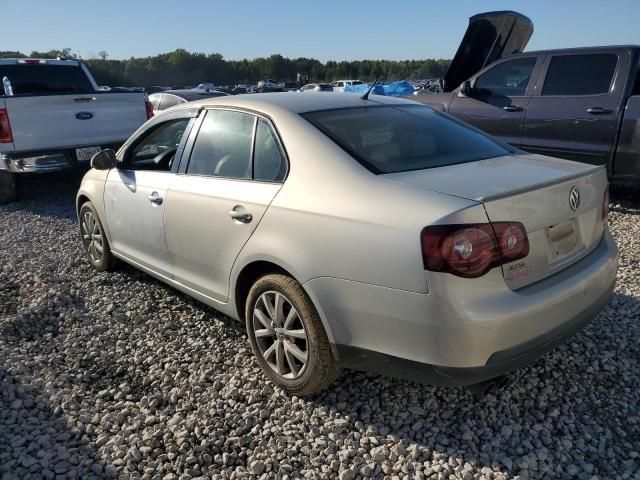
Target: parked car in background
point(54, 116)
point(582, 104)
point(205, 87)
point(316, 87)
point(376, 234)
point(267, 90)
point(290, 87)
point(268, 83)
point(171, 98)
point(338, 86)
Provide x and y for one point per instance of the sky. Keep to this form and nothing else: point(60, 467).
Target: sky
point(324, 29)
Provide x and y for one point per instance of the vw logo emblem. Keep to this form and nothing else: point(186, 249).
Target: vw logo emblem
point(574, 198)
point(84, 115)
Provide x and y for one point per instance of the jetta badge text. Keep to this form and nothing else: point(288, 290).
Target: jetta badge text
point(574, 198)
point(84, 115)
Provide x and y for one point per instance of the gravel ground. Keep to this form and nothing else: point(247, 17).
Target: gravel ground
point(107, 375)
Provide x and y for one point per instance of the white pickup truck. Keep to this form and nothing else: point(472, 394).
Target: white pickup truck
point(53, 116)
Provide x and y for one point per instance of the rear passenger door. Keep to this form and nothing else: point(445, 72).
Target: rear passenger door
point(499, 98)
point(573, 111)
point(233, 171)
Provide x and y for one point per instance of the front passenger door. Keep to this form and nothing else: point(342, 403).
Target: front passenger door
point(499, 99)
point(235, 169)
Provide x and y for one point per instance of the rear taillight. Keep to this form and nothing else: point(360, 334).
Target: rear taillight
point(472, 250)
point(605, 208)
point(5, 127)
point(149, 108)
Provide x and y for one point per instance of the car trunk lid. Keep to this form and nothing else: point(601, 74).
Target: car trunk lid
point(489, 37)
point(535, 191)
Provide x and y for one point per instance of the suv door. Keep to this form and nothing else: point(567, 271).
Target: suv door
point(573, 112)
point(134, 195)
point(235, 168)
point(499, 98)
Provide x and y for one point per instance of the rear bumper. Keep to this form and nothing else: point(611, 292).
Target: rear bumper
point(498, 364)
point(44, 160)
point(462, 333)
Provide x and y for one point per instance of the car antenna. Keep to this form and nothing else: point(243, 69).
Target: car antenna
point(366, 95)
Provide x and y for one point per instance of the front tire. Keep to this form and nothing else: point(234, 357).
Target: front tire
point(94, 240)
point(287, 336)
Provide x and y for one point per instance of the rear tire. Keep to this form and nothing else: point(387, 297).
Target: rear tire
point(287, 336)
point(94, 240)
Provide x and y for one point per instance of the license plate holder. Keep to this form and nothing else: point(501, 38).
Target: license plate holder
point(563, 238)
point(86, 153)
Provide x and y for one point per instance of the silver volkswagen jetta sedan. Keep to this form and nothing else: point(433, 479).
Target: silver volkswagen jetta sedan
point(373, 234)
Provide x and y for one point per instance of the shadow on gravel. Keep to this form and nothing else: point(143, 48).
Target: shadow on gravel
point(625, 196)
point(49, 195)
point(139, 276)
point(37, 440)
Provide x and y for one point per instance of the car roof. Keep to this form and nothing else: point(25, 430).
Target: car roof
point(298, 102)
point(577, 50)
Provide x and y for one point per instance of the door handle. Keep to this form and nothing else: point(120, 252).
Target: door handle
point(84, 99)
point(155, 198)
point(242, 217)
point(598, 110)
point(512, 108)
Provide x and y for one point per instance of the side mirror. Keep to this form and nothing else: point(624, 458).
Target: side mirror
point(104, 160)
point(466, 90)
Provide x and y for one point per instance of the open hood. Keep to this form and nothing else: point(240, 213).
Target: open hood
point(489, 36)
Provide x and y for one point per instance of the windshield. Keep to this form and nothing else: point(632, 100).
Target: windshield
point(46, 79)
point(390, 139)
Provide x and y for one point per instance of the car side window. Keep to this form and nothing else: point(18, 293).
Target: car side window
point(157, 147)
point(269, 164)
point(587, 74)
point(509, 78)
point(223, 145)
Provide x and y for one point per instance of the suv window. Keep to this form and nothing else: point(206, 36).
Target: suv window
point(589, 74)
point(510, 78)
point(269, 164)
point(393, 139)
point(157, 147)
point(223, 145)
point(42, 79)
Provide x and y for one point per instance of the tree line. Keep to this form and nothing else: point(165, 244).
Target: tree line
point(181, 67)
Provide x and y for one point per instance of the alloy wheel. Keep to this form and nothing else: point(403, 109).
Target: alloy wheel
point(280, 334)
point(92, 237)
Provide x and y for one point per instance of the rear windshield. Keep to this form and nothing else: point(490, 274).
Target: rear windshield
point(46, 79)
point(390, 139)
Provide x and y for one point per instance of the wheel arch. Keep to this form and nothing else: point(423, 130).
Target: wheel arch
point(255, 269)
point(81, 200)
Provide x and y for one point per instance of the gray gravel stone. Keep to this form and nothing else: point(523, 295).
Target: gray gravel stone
point(116, 375)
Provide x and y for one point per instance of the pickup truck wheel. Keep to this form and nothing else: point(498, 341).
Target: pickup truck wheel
point(94, 240)
point(7, 187)
point(287, 336)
